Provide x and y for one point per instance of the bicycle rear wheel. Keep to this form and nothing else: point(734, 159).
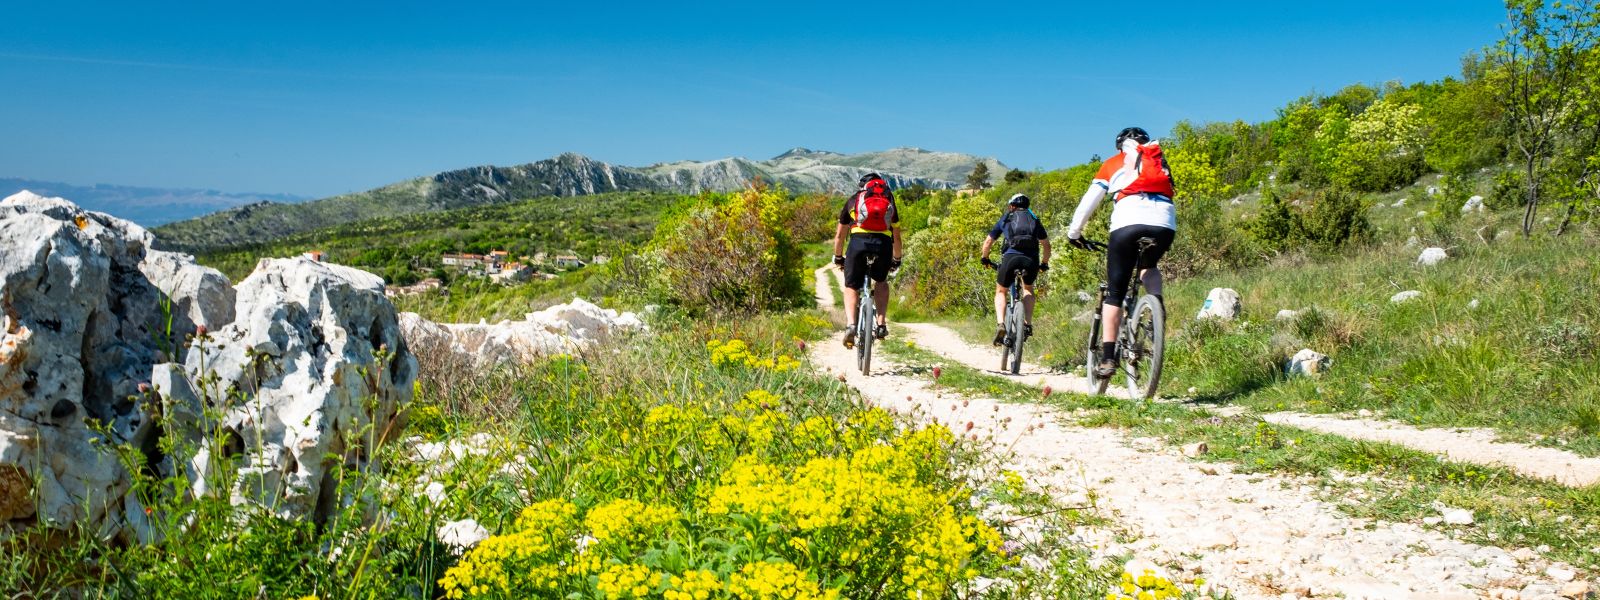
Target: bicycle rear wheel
point(864, 321)
point(1145, 347)
point(1091, 360)
point(1019, 334)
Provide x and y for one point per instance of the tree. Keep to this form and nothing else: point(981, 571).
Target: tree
point(979, 179)
point(1534, 69)
point(1016, 176)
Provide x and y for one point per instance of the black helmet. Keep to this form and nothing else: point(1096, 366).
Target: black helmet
point(868, 177)
point(1019, 201)
point(1134, 133)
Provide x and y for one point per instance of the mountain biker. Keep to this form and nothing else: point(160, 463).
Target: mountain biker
point(1141, 192)
point(1027, 253)
point(869, 221)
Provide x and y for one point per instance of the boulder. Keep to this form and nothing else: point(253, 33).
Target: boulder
point(1287, 315)
point(1308, 362)
point(313, 373)
point(92, 321)
point(1221, 303)
point(1433, 190)
point(1405, 296)
point(1457, 516)
point(1398, 203)
point(462, 535)
point(1431, 256)
point(77, 338)
point(1472, 205)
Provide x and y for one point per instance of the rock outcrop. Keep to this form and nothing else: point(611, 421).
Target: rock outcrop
point(563, 328)
point(90, 316)
point(313, 374)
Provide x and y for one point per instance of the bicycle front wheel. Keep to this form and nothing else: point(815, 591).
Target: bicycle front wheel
point(1091, 361)
point(1145, 347)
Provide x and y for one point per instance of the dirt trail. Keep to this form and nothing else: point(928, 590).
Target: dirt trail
point(824, 291)
point(1469, 445)
point(1476, 446)
point(1257, 536)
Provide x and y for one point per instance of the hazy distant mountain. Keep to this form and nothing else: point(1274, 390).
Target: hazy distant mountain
point(800, 170)
point(146, 206)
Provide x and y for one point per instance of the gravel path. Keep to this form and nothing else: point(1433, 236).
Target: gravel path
point(1467, 445)
point(1256, 536)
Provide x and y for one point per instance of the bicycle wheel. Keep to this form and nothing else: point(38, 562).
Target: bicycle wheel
point(1019, 334)
point(864, 322)
point(1145, 347)
point(1091, 360)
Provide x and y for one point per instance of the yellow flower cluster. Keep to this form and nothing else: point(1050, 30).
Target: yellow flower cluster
point(737, 352)
point(775, 581)
point(627, 522)
point(694, 585)
point(531, 554)
point(625, 581)
point(845, 499)
point(1147, 586)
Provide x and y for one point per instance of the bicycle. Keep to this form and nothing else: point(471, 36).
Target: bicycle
point(1141, 335)
point(866, 318)
point(1015, 324)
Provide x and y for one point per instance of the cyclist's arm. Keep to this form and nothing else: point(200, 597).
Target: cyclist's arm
point(839, 236)
point(896, 232)
point(1044, 251)
point(1086, 207)
point(988, 242)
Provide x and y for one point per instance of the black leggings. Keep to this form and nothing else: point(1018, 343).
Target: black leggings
point(1122, 250)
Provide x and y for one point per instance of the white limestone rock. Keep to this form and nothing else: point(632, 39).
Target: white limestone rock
point(1308, 362)
point(462, 535)
point(1405, 296)
point(1472, 205)
point(1431, 256)
point(1221, 303)
point(316, 368)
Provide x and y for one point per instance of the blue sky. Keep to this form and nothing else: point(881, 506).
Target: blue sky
point(325, 98)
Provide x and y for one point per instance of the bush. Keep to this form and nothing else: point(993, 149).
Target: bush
point(732, 253)
point(1334, 218)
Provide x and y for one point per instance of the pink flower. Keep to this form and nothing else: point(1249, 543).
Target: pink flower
point(1047, 391)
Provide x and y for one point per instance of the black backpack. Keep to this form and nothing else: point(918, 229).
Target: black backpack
point(1020, 225)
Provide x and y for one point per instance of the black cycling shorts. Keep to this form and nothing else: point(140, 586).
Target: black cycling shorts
point(1122, 250)
point(1013, 264)
point(861, 246)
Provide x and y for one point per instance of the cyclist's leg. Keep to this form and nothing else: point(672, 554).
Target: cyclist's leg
point(1002, 288)
point(1121, 253)
point(1150, 268)
point(1029, 273)
point(855, 265)
point(880, 279)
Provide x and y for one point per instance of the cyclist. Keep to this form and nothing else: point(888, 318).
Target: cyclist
point(1140, 185)
point(1027, 253)
point(868, 220)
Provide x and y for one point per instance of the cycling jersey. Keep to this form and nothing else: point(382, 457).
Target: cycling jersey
point(1132, 209)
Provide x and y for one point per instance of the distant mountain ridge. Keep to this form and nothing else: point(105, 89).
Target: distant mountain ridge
point(800, 170)
point(144, 205)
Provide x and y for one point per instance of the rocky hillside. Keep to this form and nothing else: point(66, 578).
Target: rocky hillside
point(146, 206)
point(569, 174)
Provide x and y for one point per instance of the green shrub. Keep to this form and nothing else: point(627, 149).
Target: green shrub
point(732, 253)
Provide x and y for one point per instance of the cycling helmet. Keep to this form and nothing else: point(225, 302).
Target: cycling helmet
point(868, 177)
point(1134, 133)
point(1019, 201)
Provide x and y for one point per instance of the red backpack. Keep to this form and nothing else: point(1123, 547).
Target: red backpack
point(874, 207)
point(1151, 175)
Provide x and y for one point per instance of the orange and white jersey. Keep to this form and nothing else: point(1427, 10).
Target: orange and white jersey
point(1130, 209)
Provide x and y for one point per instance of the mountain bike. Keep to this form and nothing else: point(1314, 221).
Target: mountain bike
point(866, 318)
point(1015, 324)
point(1141, 335)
